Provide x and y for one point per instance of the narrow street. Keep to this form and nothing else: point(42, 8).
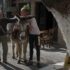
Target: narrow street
point(51, 59)
point(53, 16)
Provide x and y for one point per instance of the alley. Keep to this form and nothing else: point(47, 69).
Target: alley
point(49, 57)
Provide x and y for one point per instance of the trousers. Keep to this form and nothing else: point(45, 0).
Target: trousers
point(3, 40)
point(33, 41)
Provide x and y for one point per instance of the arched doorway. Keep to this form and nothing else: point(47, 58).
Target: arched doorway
point(46, 20)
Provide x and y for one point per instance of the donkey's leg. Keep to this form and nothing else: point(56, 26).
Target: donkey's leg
point(13, 49)
point(19, 48)
point(25, 49)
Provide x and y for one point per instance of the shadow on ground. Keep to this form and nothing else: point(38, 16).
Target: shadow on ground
point(54, 50)
point(34, 66)
point(60, 69)
point(9, 66)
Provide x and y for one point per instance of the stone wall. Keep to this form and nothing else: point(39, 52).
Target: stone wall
point(64, 26)
point(61, 5)
point(61, 41)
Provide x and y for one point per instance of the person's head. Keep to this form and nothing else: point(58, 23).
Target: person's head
point(25, 10)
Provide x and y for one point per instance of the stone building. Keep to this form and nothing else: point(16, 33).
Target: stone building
point(39, 8)
point(61, 11)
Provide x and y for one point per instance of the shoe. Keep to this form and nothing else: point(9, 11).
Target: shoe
point(4, 61)
point(13, 57)
point(25, 61)
point(19, 61)
point(30, 63)
point(38, 65)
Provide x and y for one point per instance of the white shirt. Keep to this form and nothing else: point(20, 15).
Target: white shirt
point(34, 27)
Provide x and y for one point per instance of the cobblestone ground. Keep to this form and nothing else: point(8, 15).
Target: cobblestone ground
point(49, 57)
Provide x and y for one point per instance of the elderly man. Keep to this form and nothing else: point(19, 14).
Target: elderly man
point(3, 36)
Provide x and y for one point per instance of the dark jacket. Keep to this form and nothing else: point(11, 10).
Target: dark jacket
point(3, 24)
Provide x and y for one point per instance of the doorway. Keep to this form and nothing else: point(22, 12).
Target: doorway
point(46, 20)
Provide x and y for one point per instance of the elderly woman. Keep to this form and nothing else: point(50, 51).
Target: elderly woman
point(33, 35)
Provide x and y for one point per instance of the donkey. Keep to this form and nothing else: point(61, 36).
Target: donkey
point(14, 30)
point(22, 40)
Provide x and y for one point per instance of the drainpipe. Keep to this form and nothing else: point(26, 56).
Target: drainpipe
point(4, 7)
point(32, 7)
point(45, 5)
